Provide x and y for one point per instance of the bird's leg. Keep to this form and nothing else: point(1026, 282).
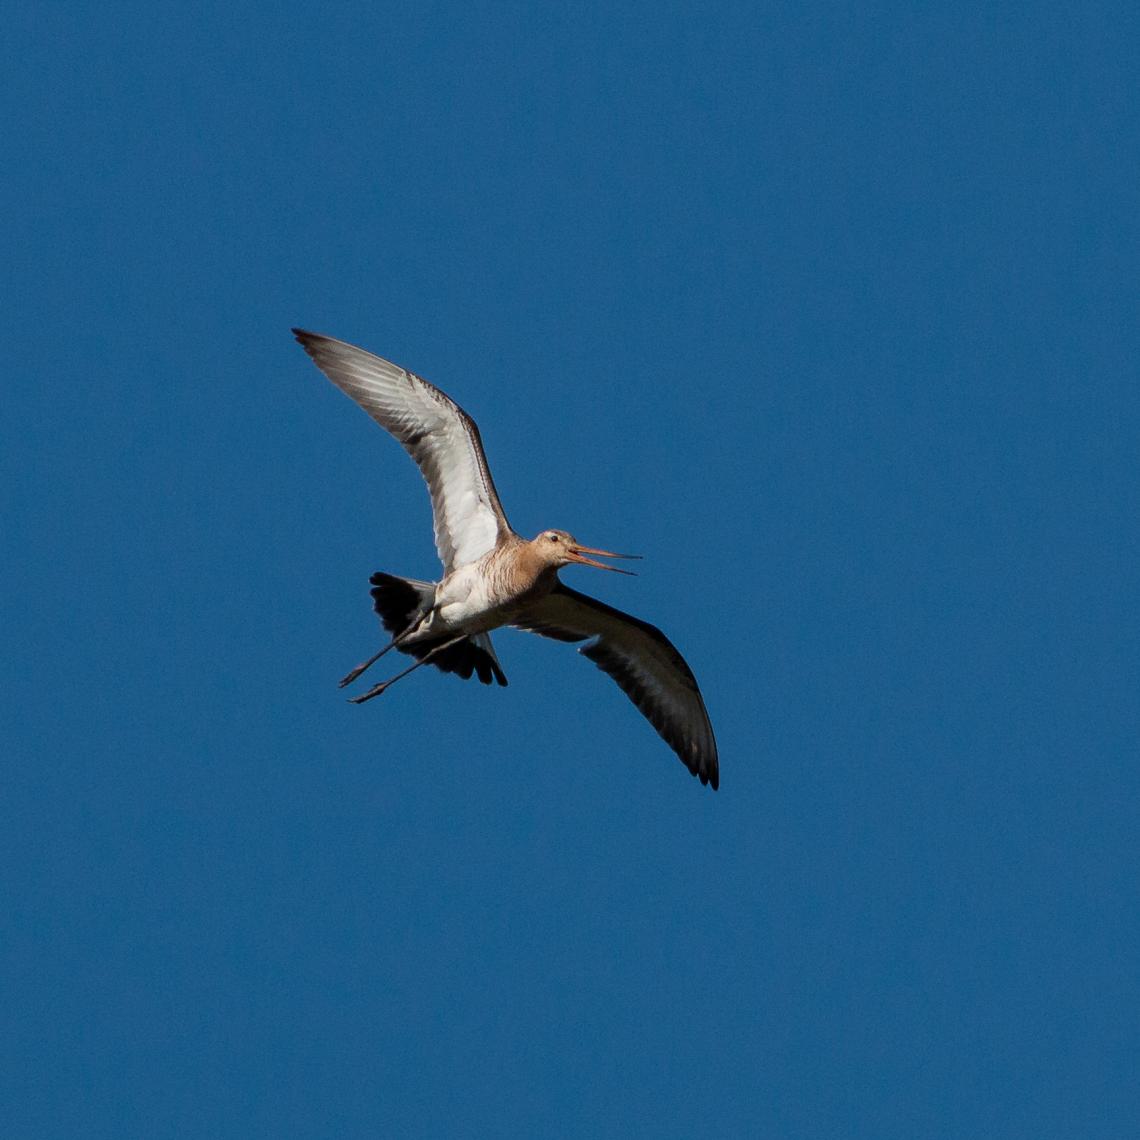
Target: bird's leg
point(376, 690)
point(413, 625)
point(349, 678)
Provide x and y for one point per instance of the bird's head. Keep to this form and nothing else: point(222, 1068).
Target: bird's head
point(557, 548)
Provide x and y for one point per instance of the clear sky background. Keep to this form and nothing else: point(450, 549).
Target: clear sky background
point(827, 310)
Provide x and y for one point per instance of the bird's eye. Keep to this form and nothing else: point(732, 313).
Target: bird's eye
point(553, 537)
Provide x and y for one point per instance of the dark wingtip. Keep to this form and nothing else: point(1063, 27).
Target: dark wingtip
point(709, 779)
point(709, 772)
point(307, 340)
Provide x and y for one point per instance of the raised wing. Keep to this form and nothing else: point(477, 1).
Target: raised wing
point(436, 432)
point(643, 661)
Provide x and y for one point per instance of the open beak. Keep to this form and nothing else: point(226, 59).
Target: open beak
point(578, 554)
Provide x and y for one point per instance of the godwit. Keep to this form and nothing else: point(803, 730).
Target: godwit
point(492, 577)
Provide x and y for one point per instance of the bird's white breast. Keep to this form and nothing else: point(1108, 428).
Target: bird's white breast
point(463, 597)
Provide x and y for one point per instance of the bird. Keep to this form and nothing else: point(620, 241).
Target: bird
point(492, 577)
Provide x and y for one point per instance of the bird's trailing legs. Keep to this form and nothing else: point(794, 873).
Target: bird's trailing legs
point(416, 621)
point(376, 690)
point(348, 678)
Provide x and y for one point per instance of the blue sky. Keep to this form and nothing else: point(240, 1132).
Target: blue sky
point(830, 312)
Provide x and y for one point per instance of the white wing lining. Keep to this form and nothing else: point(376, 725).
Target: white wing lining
point(435, 431)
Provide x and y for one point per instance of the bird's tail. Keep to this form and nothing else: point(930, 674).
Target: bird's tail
point(401, 602)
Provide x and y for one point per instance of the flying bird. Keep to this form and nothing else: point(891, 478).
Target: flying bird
point(492, 577)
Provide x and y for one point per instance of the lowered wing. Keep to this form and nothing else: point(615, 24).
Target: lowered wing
point(643, 661)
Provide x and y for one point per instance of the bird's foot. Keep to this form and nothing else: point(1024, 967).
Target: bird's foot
point(375, 691)
point(348, 678)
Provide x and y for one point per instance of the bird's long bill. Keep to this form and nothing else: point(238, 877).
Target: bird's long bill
point(578, 553)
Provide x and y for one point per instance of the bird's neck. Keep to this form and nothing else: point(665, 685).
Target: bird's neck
point(523, 570)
